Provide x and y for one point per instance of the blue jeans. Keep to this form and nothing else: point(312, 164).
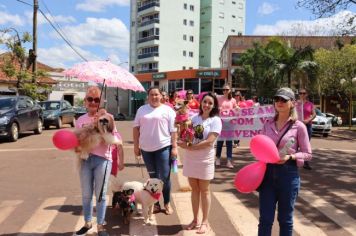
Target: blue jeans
point(309, 130)
point(219, 146)
point(280, 186)
point(92, 173)
point(158, 164)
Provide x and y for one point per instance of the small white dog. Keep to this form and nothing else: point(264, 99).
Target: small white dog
point(146, 194)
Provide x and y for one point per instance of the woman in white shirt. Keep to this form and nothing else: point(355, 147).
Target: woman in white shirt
point(155, 137)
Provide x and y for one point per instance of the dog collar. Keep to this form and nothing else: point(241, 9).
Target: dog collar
point(154, 195)
point(132, 198)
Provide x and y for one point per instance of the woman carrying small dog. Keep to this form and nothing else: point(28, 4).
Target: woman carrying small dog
point(95, 170)
point(155, 137)
point(198, 164)
point(281, 181)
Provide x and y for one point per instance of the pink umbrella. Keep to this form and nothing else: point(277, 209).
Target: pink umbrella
point(106, 73)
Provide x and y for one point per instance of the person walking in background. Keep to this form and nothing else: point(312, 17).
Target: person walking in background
point(281, 182)
point(306, 114)
point(255, 101)
point(192, 102)
point(198, 164)
point(95, 170)
point(226, 103)
point(173, 96)
point(238, 98)
point(155, 137)
point(165, 99)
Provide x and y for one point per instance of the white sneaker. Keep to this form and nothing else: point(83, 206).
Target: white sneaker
point(217, 162)
point(229, 164)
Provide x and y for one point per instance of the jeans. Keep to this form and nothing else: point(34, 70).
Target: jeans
point(309, 130)
point(219, 146)
point(158, 164)
point(280, 186)
point(92, 173)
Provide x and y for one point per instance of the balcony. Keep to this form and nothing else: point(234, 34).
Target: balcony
point(153, 21)
point(149, 5)
point(146, 55)
point(147, 71)
point(149, 38)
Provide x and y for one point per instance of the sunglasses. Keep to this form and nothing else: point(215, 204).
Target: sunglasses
point(226, 89)
point(280, 99)
point(302, 93)
point(91, 99)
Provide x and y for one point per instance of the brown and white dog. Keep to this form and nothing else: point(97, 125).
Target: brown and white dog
point(98, 132)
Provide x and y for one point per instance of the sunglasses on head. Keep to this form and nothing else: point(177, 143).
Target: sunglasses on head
point(280, 99)
point(91, 99)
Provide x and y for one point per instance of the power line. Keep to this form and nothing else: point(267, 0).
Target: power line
point(60, 34)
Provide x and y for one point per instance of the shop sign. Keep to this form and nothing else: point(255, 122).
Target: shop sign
point(208, 74)
point(159, 76)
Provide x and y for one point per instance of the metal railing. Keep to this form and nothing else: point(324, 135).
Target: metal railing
point(151, 54)
point(147, 71)
point(149, 5)
point(149, 38)
point(149, 22)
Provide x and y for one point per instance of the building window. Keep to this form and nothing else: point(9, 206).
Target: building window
point(240, 20)
point(191, 38)
point(183, 67)
point(184, 37)
point(233, 2)
point(233, 16)
point(184, 53)
point(241, 6)
point(201, 56)
point(191, 7)
point(190, 54)
point(203, 12)
point(202, 42)
point(185, 22)
point(233, 31)
point(221, 29)
point(221, 15)
point(185, 6)
point(202, 27)
point(191, 23)
point(133, 23)
point(190, 68)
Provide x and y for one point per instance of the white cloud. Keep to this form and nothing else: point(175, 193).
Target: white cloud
point(267, 8)
point(319, 27)
point(63, 56)
point(100, 5)
point(55, 19)
point(10, 19)
point(108, 33)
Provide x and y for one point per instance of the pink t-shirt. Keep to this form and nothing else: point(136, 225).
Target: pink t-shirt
point(226, 104)
point(305, 110)
point(102, 150)
point(298, 133)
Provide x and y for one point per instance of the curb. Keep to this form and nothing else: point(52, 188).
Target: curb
point(340, 136)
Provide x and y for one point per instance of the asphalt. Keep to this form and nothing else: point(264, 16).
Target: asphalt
point(344, 132)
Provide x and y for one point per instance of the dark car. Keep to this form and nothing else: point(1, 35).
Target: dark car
point(57, 113)
point(79, 111)
point(19, 114)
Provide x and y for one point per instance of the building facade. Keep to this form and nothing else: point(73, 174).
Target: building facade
point(181, 34)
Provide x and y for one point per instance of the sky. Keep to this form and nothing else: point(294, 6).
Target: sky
point(99, 29)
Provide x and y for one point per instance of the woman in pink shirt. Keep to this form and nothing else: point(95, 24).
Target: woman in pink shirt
point(281, 182)
point(226, 103)
point(94, 171)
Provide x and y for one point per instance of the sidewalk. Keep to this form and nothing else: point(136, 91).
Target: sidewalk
point(343, 132)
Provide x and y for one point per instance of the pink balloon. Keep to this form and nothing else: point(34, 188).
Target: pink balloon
point(249, 103)
point(242, 104)
point(264, 149)
point(65, 139)
point(250, 177)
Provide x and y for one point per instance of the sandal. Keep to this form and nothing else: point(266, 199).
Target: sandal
point(156, 209)
point(203, 230)
point(168, 209)
point(193, 225)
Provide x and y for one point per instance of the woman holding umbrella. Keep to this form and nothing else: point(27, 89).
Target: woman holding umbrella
point(95, 170)
point(155, 137)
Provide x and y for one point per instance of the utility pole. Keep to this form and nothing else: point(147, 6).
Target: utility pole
point(34, 43)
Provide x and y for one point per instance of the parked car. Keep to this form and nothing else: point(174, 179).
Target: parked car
point(335, 120)
point(57, 113)
point(79, 111)
point(19, 114)
point(321, 124)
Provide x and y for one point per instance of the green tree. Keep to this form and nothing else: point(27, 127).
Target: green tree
point(14, 65)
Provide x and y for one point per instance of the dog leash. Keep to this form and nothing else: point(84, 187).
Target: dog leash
point(138, 159)
point(102, 187)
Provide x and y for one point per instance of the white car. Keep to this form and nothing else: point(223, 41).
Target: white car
point(321, 124)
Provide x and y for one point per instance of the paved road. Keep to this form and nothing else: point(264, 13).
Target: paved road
point(40, 193)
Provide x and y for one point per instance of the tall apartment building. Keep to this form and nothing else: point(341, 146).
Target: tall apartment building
point(168, 35)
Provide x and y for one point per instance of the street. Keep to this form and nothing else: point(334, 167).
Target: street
point(40, 192)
